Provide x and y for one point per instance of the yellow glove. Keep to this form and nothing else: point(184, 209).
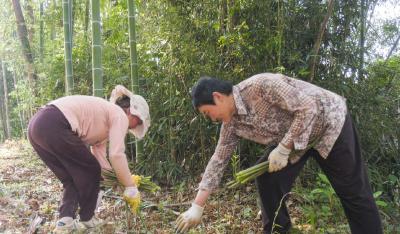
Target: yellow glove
point(132, 197)
point(136, 179)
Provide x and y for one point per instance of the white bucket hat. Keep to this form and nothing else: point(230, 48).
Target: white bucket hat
point(138, 107)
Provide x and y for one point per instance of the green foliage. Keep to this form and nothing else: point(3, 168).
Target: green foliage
point(378, 201)
point(235, 163)
point(374, 103)
point(324, 193)
point(321, 205)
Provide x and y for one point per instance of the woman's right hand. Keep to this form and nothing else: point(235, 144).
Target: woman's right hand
point(132, 197)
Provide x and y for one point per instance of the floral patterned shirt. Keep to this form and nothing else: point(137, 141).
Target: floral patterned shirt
point(272, 109)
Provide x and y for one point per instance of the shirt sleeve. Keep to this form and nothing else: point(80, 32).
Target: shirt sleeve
point(118, 130)
point(215, 168)
point(100, 153)
point(301, 106)
point(117, 133)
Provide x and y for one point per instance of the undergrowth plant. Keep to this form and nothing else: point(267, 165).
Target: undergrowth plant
point(320, 206)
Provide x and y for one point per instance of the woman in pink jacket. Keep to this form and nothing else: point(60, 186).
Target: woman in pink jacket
point(70, 135)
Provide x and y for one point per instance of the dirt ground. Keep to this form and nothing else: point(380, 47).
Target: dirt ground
point(29, 196)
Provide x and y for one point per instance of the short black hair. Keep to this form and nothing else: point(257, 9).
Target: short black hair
point(205, 86)
point(123, 101)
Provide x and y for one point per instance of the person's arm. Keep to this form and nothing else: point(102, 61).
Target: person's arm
point(99, 151)
point(289, 145)
point(214, 171)
point(117, 133)
point(201, 197)
point(211, 178)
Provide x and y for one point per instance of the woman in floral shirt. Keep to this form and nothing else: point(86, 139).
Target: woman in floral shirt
point(273, 109)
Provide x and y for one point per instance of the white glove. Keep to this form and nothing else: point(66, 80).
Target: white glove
point(131, 192)
point(190, 218)
point(132, 197)
point(278, 158)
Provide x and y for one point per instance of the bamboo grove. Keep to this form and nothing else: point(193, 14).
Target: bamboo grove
point(160, 48)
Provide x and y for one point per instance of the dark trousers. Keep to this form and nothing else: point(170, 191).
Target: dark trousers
point(347, 174)
point(69, 159)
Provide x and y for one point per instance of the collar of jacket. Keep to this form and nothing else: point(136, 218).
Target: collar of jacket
point(240, 107)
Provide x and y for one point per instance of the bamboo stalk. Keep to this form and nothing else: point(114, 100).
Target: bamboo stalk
point(6, 107)
point(97, 70)
point(69, 83)
point(134, 66)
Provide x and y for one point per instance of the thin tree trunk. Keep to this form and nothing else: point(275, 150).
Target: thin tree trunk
point(31, 21)
point(134, 65)
point(23, 37)
point(223, 14)
point(393, 48)
point(53, 24)
point(223, 19)
point(234, 7)
point(86, 25)
point(97, 70)
point(132, 47)
point(362, 40)
point(371, 11)
point(2, 115)
point(20, 113)
point(280, 28)
point(41, 39)
point(71, 20)
point(69, 81)
point(53, 32)
point(6, 114)
point(318, 41)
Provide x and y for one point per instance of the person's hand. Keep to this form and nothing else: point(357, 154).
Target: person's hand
point(190, 218)
point(132, 197)
point(278, 158)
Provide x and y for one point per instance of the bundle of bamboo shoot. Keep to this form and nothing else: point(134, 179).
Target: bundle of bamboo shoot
point(143, 182)
point(251, 173)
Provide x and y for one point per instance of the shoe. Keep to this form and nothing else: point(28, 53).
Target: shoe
point(98, 202)
point(92, 223)
point(66, 225)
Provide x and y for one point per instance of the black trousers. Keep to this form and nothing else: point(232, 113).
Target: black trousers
point(347, 174)
point(69, 159)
